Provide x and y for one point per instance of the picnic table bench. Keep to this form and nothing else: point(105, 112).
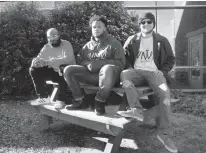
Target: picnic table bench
point(109, 123)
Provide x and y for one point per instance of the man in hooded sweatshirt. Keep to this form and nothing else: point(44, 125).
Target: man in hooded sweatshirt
point(150, 58)
point(101, 61)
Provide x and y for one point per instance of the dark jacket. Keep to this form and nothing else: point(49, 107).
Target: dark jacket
point(162, 52)
point(106, 51)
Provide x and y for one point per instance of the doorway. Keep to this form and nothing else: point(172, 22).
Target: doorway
point(195, 49)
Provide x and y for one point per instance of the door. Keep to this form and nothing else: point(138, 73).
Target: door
point(195, 46)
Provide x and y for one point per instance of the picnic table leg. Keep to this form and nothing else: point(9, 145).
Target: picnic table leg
point(45, 122)
point(113, 143)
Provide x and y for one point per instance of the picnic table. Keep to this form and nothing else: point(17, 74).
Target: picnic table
point(110, 123)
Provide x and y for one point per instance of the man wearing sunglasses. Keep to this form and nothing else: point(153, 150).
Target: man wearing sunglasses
point(149, 59)
point(46, 66)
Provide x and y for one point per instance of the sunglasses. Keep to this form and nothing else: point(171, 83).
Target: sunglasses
point(148, 22)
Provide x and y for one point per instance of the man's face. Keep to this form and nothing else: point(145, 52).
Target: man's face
point(98, 28)
point(53, 38)
point(146, 26)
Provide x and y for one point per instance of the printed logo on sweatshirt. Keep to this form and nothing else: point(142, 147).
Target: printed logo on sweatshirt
point(145, 55)
point(99, 54)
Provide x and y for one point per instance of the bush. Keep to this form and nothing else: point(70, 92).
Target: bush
point(72, 20)
point(22, 35)
point(23, 29)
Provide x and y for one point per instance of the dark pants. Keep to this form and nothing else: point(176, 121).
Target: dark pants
point(107, 77)
point(161, 93)
point(41, 75)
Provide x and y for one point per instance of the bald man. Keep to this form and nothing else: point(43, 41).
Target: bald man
point(46, 66)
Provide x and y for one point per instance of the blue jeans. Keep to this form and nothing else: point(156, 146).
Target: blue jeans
point(159, 86)
point(108, 76)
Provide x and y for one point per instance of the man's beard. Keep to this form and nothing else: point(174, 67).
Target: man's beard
point(56, 43)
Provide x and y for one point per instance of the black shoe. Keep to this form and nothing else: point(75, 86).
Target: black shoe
point(92, 105)
point(80, 104)
point(99, 107)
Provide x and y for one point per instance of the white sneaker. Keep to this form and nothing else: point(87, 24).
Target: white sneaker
point(167, 142)
point(41, 101)
point(59, 104)
point(132, 113)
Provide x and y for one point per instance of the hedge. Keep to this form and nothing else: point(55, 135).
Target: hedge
point(23, 29)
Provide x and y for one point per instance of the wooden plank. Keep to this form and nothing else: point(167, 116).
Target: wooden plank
point(113, 145)
point(189, 67)
point(108, 123)
point(141, 89)
point(165, 7)
point(174, 100)
point(54, 94)
point(192, 90)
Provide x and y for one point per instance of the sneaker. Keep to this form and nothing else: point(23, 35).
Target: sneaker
point(80, 104)
point(168, 144)
point(132, 113)
point(59, 104)
point(41, 101)
point(99, 107)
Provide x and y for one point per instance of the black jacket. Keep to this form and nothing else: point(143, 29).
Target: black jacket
point(162, 52)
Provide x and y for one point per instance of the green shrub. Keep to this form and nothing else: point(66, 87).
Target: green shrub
point(72, 20)
point(22, 35)
point(23, 27)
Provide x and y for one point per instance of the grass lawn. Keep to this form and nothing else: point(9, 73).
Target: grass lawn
point(20, 131)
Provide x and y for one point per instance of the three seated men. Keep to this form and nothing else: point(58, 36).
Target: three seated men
point(102, 59)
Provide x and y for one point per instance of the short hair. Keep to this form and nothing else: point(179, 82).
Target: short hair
point(97, 18)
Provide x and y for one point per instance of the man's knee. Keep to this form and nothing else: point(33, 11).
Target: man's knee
point(69, 70)
point(108, 70)
point(124, 75)
point(164, 95)
point(108, 76)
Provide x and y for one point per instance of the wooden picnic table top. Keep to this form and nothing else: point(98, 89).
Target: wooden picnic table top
point(109, 118)
point(109, 123)
point(140, 89)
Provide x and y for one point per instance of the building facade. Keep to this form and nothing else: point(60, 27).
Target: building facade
point(190, 45)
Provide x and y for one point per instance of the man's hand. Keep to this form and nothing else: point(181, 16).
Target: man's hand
point(89, 66)
point(39, 62)
point(93, 67)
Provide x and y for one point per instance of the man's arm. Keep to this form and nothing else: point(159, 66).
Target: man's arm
point(81, 56)
point(128, 52)
point(170, 59)
point(39, 60)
